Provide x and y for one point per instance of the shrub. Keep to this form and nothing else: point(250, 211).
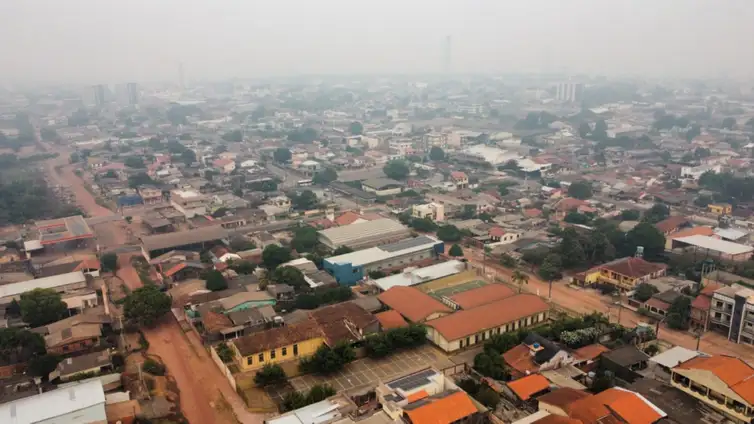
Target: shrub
point(225, 353)
point(269, 374)
point(382, 344)
point(153, 367)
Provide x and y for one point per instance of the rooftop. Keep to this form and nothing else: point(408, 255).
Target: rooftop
point(471, 321)
point(671, 223)
point(15, 289)
point(712, 243)
point(47, 406)
point(412, 303)
point(674, 356)
point(413, 276)
point(627, 406)
point(481, 296)
point(633, 267)
point(444, 408)
point(387, 251)
point(528, 386)
point(183, 238)
point(343, 322)
point(339, 236)
point(733, 372)
point(63, 229)
point(390, 319)
point(278, 337)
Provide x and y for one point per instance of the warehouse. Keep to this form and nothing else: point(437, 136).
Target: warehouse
point(349, 268)
point(195, 240)
point(364, 234)
point(715, 247)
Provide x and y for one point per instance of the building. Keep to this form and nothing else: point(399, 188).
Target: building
point(101, 94)
point(413, 276)
point(276, 345)
point(127, 94)
point(700, 306)
point(80, 403)
point(74, 339)
point(364, 234)
point(150, 195)
point(433, 211)
point(189, 202)
point(226, 166)
point(59, 234)
point(413, 305)
point(569, 92)
point(625, 273)
point(720, 208)
point(672, 224)
point(89, 364)
point(61, 283)
point(715, 247)
point(731, 313)
point(536, 354)
point(352, 267)
point(695, 172)
point(615, 405)
point(194, 240)
point(460, 179)
point(336, 409)
point(473, 326)
point(469, 299)
point(382, 186)
point(724, 383)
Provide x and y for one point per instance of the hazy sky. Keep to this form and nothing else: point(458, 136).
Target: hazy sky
point(109, 41)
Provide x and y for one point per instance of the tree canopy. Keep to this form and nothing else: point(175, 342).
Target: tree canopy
point(281, 155)
point(448, 233)
point(289, 275)
point(215, 281)
point(356, 128)
point(397, 169)
point(41, 307)
point(436, 154)
point(580, 190)
point(134, 162)
point(274, 255)
point(305, 200)
point(325, 177)
point(305, 239)
point(656, 213)
point(551, 267)
point(146, 305)
point(233, 136)
point(455, 250)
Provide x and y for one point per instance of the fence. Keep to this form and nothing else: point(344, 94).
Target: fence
point(223, 368)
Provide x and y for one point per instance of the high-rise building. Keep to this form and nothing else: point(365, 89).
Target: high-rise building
point(133, 93)
point(127, 94)
point(100, 94)
point(569, 92)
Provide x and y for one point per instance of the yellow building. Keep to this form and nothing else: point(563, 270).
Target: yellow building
point(625, 274)
point(280, 344)
point(721, 382)
point(720, 208)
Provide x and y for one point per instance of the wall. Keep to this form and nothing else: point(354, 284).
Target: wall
point(483, 336)
point(252, 304)
point(305, 348)
point(223, 368)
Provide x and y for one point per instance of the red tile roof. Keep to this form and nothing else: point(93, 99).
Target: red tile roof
point(347, 218)
point(471, 321)
point(701, 302)
point(174, 269)
point(390, 319)
point(528, 386)
point(458, 175)
point(562, 397)
point(496, 232)
point(481, 296)
point(442, 410)
point(671, 223)
point(556, 419)
point(695, 231)
point(520, 359)
point(413, 304)
point(633, 267)
point(590, 352)
point(532, 213)
point(569, 203)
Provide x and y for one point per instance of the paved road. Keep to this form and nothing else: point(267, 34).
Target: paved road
point(586, 301)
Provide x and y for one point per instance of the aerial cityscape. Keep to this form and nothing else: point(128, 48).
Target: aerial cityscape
point(544, 244)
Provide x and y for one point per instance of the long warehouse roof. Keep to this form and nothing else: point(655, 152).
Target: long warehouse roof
point(347, 233)
point(380, 253)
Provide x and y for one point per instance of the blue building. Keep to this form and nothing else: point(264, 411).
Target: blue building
point(350, 268)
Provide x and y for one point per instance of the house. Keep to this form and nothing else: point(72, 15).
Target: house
point(671, 239)
point(61, 283)
point(344, 322)
point(475, 325)
point(535, 354)
point(731, 313)
point(280, 344)
point(79, 403)
point(625, 273)
point(720, 208)
point(469, 299)
point(390, 320)
point(528, 387)
point(335, 409)
point(189, 203)
point(565, 205)
point(499, 235)
point(74, 339)
point(460, 179)
point(222, 254)
point(382, 186)
point(89, 364)
point(659, 303)
point(625, 362)
point(615, 405)
point(443, 408)
point(715, 247)
point(723, 383)
point(700, 306)
point(672, 224)
point(352, 267)
point(433, 211)
point(414, 305)
point(226, 166)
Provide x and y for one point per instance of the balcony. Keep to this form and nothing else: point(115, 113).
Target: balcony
point(723, 320)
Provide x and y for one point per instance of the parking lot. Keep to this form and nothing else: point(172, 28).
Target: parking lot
point(369, 372)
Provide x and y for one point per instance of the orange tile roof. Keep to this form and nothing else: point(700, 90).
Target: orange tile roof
point(413, 397)
point(458, 175)
point(734, 372)
point(214, 321)
point(614, 405)
point(528, 386)
point(520, 359)
point(532, 213)
point(671, 223)
point(471, 321)
point(412, 303)
point(347, 218)
point(590, 352)
point(390, 319)
point(496, 232)
point(174, 269)
point(696, 231)
point(556, 419)
point(481, 295)
point(569, 203)
point(562, 397)
point(442, 410)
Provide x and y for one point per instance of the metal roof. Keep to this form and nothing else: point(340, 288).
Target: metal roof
point(183, 238)
point(675, 356)
point(381, 253)
point(711, 243)
point(340, 236)
point(86, 399)
point(414, 276)
point(54, 281)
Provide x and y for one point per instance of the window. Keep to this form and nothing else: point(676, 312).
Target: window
point(65, 348)
point(355, 270)
point(261, 357)
point(468, 341)
point(460, 344)
point(272, 354)
point(476, 338)
point(249, 360)
point(285, 351)
point(295, 350)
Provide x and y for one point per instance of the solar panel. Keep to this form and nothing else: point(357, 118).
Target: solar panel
point(407, 244)
point(412, 381)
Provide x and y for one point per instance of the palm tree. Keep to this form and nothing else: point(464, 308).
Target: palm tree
point(520, 278)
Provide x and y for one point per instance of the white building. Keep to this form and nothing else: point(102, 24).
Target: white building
point(434, 211)
point(189, 202)
point(569, 92)
point(491, 155)
point(694, 172)
point(79, 403)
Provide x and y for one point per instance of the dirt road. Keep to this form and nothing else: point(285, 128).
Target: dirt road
point(204, 390)
point(587, 301)
point(67, 178)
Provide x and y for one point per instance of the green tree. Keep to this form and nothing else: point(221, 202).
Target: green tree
point(305, 200)
point(319, 392)
point(42, 366)
point(327, 360)
point(153, 367)
point(377, 274)
point(455, 251)
point(644, 292)
point(448, 233)
point(18, 345)
point(325, 176)
point(48, 134)
point(679, 313)
point(584, 129)
point(140, 179)
point(356, 128)
point(146, 305)
point(423, 224)
point(647, 236)
point(109, 262)
point(600, 131)
point(188, 157)
point(274, 255)
point(282, 155)
point(665, 155)
point(436, 154)
point(242, 267)
point(580, 190)
point(289, 275)
point(225, 352)
point(487, 397)
point(341, 250)
point(519, 278)
point(41, 307)
point(630, 215)
point(215, 281)
point(729, 123)
point(134, 162)
point(269, 374)
point(293, 400)
point(491, 365)
point(233, 136)
point(574, 217)
point(305, 239)
point(656, 213)
point(397, 169)
point(693, 132)
point(550, 270)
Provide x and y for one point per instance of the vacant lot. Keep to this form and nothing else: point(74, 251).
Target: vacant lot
point(369, 372)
